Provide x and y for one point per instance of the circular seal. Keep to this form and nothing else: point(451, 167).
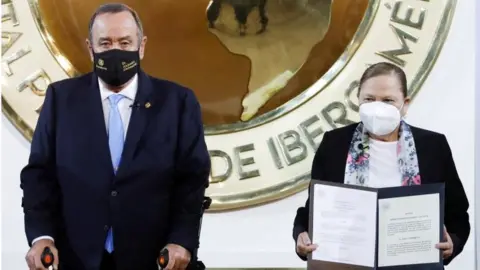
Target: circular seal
point(271, 75)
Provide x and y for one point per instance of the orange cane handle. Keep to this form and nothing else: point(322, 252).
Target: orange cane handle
point(47, 257)
point(163, 258)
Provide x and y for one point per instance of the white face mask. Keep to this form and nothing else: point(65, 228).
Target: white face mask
point(379, 118)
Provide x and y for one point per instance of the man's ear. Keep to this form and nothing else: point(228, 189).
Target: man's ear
point(141, 50)
point(89, 48)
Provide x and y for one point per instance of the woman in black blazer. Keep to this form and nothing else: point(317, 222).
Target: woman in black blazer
point(369, 153)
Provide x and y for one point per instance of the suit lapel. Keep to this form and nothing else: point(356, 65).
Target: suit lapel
point(138, 119)
point(339, 154)
point(92, 121)
point(424, 162)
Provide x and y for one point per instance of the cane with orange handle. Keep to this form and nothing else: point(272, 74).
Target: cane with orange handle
point(163, 259)
point(194, 264)
point(47, 258)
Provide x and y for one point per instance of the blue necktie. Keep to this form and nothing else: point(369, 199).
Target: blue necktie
point(115, 141)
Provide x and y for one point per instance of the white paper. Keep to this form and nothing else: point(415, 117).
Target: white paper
point(344, 225)
point(408, 230)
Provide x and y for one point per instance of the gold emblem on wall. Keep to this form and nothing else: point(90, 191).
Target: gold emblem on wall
point(271, 75)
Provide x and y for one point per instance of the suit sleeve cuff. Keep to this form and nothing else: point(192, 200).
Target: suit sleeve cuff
point(457, 248)
point(185, 241)
point(297, 230)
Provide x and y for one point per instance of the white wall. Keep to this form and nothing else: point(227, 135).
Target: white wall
point(261, 236)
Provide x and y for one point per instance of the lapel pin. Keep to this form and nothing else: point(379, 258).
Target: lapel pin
point(148, 105)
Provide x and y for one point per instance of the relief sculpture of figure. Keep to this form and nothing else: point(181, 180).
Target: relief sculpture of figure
point(276, 36)
point(242, 9)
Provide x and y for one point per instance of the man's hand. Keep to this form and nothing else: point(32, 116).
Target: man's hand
point(178, 257)
point(33, 255)
point(447, 246)
point(304, 245)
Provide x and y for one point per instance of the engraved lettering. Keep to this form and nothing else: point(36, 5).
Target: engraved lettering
point(32, 82)
point(8, 39)
point(341, 119)
point(275, 156)
point(288, 148)
point(241, 162)
point(311, 135)
point(408, 17)
point(348, 96)
point(227, 161)
point(12, 58)
point(392, 55)
point(10, 13)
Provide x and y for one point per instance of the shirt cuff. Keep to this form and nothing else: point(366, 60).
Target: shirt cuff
point(41, 238)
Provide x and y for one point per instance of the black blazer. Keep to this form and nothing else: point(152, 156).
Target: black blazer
point(434, 160)
point(70, 191)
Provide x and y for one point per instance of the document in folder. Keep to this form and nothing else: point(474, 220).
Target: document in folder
point(366, 228)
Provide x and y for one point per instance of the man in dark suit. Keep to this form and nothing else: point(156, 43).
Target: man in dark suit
point(118, 164)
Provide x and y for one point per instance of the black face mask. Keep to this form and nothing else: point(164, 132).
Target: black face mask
point(116, 67)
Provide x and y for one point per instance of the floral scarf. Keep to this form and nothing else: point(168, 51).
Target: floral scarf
point(356, 171)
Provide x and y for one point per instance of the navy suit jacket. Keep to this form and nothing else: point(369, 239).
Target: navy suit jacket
point(70, 191)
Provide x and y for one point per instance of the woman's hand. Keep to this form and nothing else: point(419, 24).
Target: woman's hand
point(446, 247)
point(304, 245)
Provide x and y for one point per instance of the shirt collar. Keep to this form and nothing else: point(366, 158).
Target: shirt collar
point(130, 91)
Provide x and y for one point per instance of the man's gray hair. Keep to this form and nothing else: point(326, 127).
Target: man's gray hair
point(115, 8)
